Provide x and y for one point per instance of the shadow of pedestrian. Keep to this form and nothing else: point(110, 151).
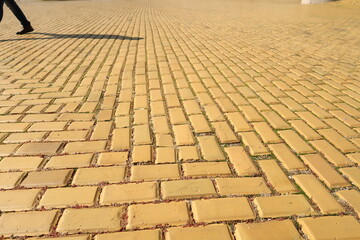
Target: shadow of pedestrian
point(76, 36)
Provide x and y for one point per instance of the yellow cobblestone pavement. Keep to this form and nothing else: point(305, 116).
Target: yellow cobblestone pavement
point(181, 119)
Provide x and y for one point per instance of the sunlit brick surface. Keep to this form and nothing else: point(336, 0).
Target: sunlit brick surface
point(180, 119)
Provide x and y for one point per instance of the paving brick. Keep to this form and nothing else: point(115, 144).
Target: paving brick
point(266, 133)
point(54, 178)
point(183, 135)
point(18, 200)
point(243, 164)
point(338, 141)
point(113, 158)
point(295, 142)
point(120, 139)
point(330, 227)
point(69, 161)
point(210, 148)
point(155, 172)
point(65, 197)
point(165, 155)
point(282, 206)
point(241, 186)
point(8, 149)
point(10, 180)
point(27, 223)
point(187, 188)
point(38, 148)
point(222, 209)
point(210, 232)
point(277, 177)
point(142, 153)
point(20, 163)
point(131, 235)
point(353, 174)
point(67, 136)
point(312, 120)
point(305, 130)
point(24, 137)
point(275, 120)
point(90, 220)
point(280, 230)
point(141, 135)
point(325, 172)
point(318, 193)
point(188, 153)
point(150, 215)
point(352, 197)
point(131, 192)
point(73, 237)
point(13, 127)
point(84, 147)
point(206, 169)
point(200, 124)
point(331, 153)
point(85, 176)
point(254, 144)
point(238, 122)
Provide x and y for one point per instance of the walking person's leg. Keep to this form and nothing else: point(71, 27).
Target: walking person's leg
point(19, 15)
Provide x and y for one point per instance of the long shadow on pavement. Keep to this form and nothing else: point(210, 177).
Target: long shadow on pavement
point(79, 36)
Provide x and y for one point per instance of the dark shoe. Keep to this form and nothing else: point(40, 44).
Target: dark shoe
point(26, 29)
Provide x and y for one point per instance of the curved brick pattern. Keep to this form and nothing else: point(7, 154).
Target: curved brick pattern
point(167, 120)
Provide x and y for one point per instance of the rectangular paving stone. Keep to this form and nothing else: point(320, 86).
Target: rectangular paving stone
point(279, 230)
point(210, 148)
point(112, 158)
point(206, 169)
point(222, 209)
point(188, 153)
point(27, 223)
point(165, 155)
point(42, 148)
point(84, 147)
point(325, 172)
point(353, 174)
point(295, 142)
point(18, 200)
point(209, 232)
point(96, 175)
point(330, 227)
point(242, 186)
point(143, 153)
point(66, 197)
point(183, 135)
point(187, 188)
point(73, 237)
point(121, 139)
point(20, 163)
point(131, 192)
point(338, 140)
point(10, 179)
point(352, 197)
point(150, 215)
point(331, 153)
point(254, 144)
point(131, 235)
point(242, 163)
point(225, 133)
point(238, 122)
point(54, 178)
point(278, 179)
point(141, 135)
point(90, 220)
point(266, 133)
point(318, 193)
point(13, 127)
point(283, 206)
point(24, 137)
point(67, 136)
point(154, 172)
point(69, 161)
point(200, 124)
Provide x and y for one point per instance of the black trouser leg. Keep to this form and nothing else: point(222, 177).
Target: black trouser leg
point(1, 9)
point(17, 12)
